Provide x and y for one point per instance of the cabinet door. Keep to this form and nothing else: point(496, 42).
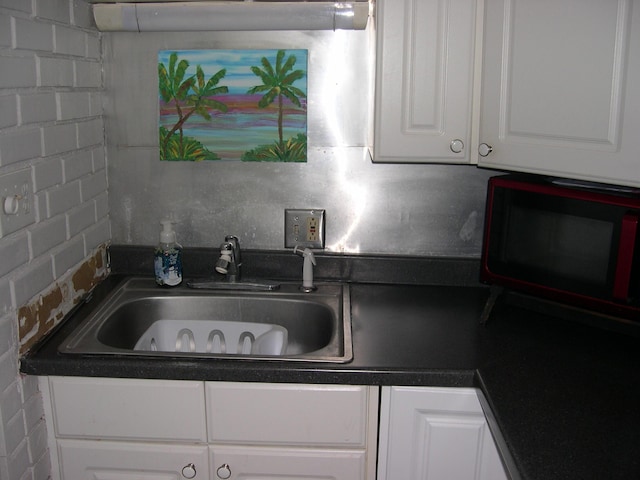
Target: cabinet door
point(560, 88)
point(102, 460)
point(424, 80)
point(435, 434)
point(254, 463)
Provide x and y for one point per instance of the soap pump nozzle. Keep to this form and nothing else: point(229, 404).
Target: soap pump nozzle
point(307, 268)
point(167, 235)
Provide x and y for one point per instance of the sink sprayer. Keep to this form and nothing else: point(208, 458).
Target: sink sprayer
point(307, 268)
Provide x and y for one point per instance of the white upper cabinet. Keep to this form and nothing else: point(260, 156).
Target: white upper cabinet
point(424, 80)
point(561, 88)
point(546, 86)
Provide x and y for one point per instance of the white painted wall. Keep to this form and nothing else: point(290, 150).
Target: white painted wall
point(50, 127)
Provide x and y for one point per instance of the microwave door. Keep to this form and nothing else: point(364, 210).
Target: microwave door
point(558, 248)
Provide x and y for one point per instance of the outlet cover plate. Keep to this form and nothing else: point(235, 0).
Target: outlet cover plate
point(304, 228)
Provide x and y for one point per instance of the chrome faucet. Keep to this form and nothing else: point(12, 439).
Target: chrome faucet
point(229, 264)
point(230, 261)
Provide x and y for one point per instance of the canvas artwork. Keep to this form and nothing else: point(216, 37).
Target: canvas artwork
point(243, 105)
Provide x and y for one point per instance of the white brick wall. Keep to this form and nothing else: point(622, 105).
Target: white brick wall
point(37, 107)
point(19, 144)
point(32, 35)
point(18, 72)
point(8, 110)
point(50, 126)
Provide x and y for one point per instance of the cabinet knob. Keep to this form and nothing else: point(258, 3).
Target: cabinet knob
point(456, 145)
point(224, 471)
point(189, 471)
point(484, 149)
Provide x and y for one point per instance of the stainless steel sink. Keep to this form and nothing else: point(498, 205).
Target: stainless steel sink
point(141, 319)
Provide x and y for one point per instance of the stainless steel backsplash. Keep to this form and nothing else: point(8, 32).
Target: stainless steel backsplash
point(423, 210)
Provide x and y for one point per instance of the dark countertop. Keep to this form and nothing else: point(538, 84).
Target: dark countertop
point(565, 396)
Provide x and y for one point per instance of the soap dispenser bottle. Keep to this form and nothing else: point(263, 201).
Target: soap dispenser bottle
point(168, 257)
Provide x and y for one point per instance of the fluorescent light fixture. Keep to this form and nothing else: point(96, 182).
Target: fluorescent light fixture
point(230, 15)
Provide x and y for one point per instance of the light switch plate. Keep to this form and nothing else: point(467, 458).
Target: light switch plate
point(304, 228)
point(16, 202)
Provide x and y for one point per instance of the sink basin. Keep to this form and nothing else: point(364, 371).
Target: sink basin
point(141, 319)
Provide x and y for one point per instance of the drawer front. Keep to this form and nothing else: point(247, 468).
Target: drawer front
point(100, 460)
point(115, 408)
point(287, 414)
point(236, 463)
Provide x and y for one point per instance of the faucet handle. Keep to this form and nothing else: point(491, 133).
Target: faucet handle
point(226, 258)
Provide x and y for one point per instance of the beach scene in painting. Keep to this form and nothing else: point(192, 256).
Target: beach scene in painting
point(238, 105)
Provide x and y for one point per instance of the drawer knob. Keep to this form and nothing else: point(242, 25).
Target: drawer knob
point(189, 471)
point(224, 471)
point(456, 145)
point(484, 149)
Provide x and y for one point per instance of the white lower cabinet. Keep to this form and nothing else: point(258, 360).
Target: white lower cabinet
point(117, 429)
point(435, 434)
point(131, 429)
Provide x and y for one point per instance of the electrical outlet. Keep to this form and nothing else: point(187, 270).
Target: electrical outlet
point(304, 228)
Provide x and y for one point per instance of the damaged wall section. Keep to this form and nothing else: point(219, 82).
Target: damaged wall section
point(39, 317)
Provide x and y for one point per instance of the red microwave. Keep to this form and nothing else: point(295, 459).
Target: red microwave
point(572, 242)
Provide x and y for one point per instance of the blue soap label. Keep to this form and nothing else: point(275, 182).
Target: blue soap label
point(168, 267)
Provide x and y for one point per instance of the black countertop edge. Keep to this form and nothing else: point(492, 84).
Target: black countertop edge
point(271, 372)
point(281, 265)
point(508, 462)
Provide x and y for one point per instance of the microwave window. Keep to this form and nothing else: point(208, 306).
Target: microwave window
point(559, 245)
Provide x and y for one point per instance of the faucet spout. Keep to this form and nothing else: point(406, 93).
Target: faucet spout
point(307, 268)
point(235, 246)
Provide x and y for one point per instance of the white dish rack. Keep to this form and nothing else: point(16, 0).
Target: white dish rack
point(214, 337)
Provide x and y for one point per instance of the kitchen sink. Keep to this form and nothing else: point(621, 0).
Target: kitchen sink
point(141, 319)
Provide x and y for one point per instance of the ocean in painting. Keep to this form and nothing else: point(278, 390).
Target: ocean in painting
point(244, 126)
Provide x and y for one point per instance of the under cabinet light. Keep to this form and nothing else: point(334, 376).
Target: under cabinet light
point(229, 15)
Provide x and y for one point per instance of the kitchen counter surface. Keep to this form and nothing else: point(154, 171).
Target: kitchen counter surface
point(565, 396)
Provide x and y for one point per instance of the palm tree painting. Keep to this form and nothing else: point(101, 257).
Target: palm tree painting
point(242, 105)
